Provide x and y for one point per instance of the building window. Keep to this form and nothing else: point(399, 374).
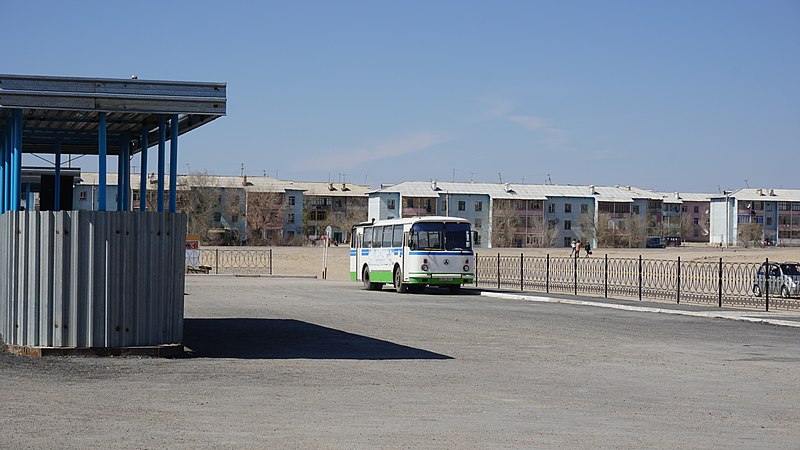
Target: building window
point(290, 218)
point(635, 209)
point(567, 207)
point(696, 221)
point(478, 206)
point(82, 196)
point(769, 220)
point(684, 208)
point(584, 208)
point(316, 215)
point(477, 239)
point(462, 205)
point(390, 203)
point(769, 206)
point(478, 222)
point(337, 203)
point(217, 216)
point(567, 242)
point(234, 218)
point(551, 208)
point(696, 209)
point(567, 224)
point(409, 203)
point(291, 200)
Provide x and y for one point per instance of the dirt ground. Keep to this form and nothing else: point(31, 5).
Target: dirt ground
point(308, 261)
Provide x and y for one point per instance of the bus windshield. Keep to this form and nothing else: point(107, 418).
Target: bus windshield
point(440, 236)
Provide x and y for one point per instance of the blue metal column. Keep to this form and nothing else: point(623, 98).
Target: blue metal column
point(143, 174)
point(162, 138)
point(173, 163)
point(120, 178)
point(126, 170)
point(3, 141)
point(101, 145)
point(57, 195)
point(16, 170)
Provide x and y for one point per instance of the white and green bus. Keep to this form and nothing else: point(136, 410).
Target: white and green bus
point(413, 253)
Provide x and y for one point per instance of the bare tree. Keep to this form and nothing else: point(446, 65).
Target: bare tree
point(352, 211)
point(198, 200)
point(504, 223)
point(750, 234)
point(266, 213)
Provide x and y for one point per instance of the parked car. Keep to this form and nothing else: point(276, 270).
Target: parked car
point(784, 279)
point(673, 241)
point(654, 242)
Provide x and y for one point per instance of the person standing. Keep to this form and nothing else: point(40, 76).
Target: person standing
point(572, 253)
point(577, 249)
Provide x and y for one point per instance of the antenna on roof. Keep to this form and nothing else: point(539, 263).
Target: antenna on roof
point(746, 183)
point(242, 169)
point(501, 176)
point(454, 176)
point(265, 173)
point(549, 181)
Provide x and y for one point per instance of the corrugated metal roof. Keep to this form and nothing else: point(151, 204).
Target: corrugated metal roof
point(680, 197)
point(65, 110)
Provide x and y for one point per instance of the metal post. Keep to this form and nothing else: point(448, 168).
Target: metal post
point(575, 274)
point(521, 273)
point(162, 142)
point(16, 170)
point(547, 275)
point(173, 163)
point(120, 178)
point(476, 267)
point(679, 280)
point(270, 261)
point(606, 276)
point(2, 171)
point(102, 154)
point(126, 172)
point(216, 259)
point(57, 187)
point(143, 172)
point(640, 277)
point(766, 282)
point(720, 282)
point(498, 271)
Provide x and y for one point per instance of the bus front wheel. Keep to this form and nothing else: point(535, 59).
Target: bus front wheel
point(369, 285)
point(399, 286)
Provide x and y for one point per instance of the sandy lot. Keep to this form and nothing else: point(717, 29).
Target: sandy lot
point(308, 260)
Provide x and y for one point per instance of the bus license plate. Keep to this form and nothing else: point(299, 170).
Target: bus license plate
point(445, 278)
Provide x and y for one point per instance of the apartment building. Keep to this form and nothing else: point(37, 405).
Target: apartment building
point(756, 216)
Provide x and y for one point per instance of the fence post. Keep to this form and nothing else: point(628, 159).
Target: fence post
point(498, 271)
point(270, 261)
point(547, 275)
point(720, 282)
point(640, 277)
point(476, 269)
point(575, 274)
point(216, 259)
point(521, 273)
point(606, 276)
point(766, 282)
point(679, 280)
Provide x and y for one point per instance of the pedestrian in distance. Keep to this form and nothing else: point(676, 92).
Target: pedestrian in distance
point(577, 249)
point(572, 253)
point(588, 250)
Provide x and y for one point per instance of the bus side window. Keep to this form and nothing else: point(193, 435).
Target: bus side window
point(387, 236)
point(368, 237)
point(411, 238)
point(397, 236)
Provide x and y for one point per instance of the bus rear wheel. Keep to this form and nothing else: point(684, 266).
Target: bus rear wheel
point(399, 286)
point(369, 285)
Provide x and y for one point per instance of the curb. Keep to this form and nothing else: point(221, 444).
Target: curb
point(729, 315)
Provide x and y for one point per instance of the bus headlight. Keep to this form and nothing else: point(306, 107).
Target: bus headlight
point(466, 268)
point(424, 267)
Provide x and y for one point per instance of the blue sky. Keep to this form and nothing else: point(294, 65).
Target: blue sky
point(676, 96)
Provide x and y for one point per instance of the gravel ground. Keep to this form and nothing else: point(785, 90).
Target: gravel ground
point(299, 363)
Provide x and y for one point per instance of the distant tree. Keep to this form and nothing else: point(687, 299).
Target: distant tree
point(504, 223)
point(353, 211)
point(198, 199)
point(750, 234)
point(266, 214)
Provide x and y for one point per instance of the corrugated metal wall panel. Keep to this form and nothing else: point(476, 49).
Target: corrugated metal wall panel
point(91, 279)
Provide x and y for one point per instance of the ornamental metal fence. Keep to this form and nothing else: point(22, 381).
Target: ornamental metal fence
point(236, 261)
point(706, 282)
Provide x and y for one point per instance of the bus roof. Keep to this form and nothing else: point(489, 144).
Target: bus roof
point(416, 219)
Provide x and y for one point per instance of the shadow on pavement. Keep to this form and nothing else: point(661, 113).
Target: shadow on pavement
point(287, 339)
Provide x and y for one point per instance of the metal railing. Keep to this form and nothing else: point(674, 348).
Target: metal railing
point(707, 282)
point(237, 261)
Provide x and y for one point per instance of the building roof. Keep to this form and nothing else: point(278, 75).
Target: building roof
point(764, 194)
point(520, 191)
point(65, 111)
point(252, 184)
point(680, 197)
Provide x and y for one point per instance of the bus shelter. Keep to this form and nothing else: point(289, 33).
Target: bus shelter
point(107, 281)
